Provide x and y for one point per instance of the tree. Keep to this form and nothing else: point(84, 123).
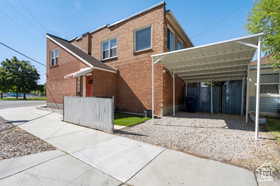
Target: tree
point(5, 84)
point(265, 17)
point(22, 74)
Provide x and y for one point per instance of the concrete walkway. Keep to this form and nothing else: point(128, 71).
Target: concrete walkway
point(118, 159)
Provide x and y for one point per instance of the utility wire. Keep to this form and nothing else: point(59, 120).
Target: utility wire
point(32, 59)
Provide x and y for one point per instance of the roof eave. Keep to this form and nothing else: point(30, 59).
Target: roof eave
point(77, 56)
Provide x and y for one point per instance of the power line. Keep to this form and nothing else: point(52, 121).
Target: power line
point(15, 50)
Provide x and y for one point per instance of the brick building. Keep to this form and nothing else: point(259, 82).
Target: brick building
point(115, 60)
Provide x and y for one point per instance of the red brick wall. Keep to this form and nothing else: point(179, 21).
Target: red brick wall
point(84, 43)
point(57, 86)
point(168, 90)
point(132, 84)
point(104, 83)
point(133, 91)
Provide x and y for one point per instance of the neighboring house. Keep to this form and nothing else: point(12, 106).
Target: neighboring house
point(115, 61)
point(269, 89)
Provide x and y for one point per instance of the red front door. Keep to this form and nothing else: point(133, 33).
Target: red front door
point(89, 86)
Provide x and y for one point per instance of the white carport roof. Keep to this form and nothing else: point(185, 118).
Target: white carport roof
point(226, 60)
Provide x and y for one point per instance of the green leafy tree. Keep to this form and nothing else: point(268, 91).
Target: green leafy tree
point(265, 17)
point(5, 84)
point(22, 74)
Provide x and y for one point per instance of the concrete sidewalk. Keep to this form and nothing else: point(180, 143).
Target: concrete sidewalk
point(122, 159)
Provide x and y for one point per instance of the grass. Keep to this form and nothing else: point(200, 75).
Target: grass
point(274, 128)
point(128, 119)
point(27, 99)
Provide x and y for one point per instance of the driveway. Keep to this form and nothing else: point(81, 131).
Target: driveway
point(13, 104)
point(225, 138)
point(90, 157)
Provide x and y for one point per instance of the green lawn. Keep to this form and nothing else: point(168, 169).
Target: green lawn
point(128, 119)
point(274, 127)
point(27, 99)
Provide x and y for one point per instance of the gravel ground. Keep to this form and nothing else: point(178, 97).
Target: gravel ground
point(220, 137)
point(17, 142)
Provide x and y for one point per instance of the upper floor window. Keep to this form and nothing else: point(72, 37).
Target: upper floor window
point(179, 45)
point(142, 39)
point(170, 40)
point(54, 57)
point(109, 49)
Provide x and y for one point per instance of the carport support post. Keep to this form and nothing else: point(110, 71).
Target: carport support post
point(258, 90)
point(248, 94)
point(173, 77)
point(242, 97)
point(153, 94)
point(211, 99)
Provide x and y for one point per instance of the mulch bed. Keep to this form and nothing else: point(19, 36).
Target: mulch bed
point(16, 142)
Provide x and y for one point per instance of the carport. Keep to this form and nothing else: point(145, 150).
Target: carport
point(220, 61)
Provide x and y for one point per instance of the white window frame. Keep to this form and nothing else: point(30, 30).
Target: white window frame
point(54, 57)
point(115, 47)
point(134, 39)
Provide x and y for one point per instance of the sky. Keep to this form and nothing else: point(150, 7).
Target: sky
point(24, 23)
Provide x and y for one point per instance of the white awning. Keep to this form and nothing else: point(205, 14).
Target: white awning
point(226, 60)
point(81, 72)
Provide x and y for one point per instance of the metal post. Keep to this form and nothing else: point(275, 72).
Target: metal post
point(242, 97)
point(173, 76)
point(211, 94)
point(153, 99)
point(248, 94)
point(258, 90)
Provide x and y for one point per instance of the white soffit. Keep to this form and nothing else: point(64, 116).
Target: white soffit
point(81, 72)
point(218, 61)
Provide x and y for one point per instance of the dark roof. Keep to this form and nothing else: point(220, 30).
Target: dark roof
point(88, 58)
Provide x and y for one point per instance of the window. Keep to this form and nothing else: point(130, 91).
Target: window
point(270, 84)
point(170, 40)
point(109, 49)
point(54, 57)
point(179, 45)
point(142, 39)
point(173, 43)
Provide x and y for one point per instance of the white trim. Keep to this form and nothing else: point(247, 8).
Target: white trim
point(211, 44)
point(247, 44)
point(136, 14)
point(81, 59)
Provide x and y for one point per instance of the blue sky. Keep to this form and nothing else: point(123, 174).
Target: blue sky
point(25, 22)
